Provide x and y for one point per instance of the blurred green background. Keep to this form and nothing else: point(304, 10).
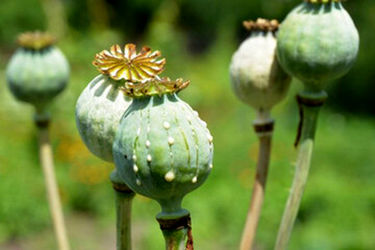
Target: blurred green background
point(198, 38)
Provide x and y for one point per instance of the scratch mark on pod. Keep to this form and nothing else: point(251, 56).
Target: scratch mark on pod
point(148, 143)
point(170, 140)
point(195, 135)
point(197, 159)
point(186, 145)
point(169, 177)
point(134, 157)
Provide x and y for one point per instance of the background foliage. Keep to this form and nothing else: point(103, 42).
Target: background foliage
point(198, 38)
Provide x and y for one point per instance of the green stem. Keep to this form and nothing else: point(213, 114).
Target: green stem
point(310, 112)
point(176, 232)
point(123, 223)
point(124, 198)
point(264, 132)
point(175, 239)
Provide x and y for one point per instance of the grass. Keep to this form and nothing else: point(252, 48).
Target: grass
point(337, 210)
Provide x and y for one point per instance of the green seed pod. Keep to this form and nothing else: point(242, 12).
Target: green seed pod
point(98, 112)
point(257, 78)
point(162, 149)
point(317, 42)
point(38, 71)
point(102, 103)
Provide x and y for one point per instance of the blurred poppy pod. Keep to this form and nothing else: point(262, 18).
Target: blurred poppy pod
point(38, 71)
point(257, 78)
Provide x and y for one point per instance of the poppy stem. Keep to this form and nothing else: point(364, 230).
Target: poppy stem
point(310, 105)
point(177, 233)
point(124, 199)
point(46, 160)
point(263, 129)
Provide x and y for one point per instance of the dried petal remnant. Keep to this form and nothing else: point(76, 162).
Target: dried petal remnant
point(35, 40)
point(156, 86)
point(262, 25)
point(128, 64)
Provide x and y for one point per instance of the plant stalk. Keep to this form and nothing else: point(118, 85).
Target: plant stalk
point(264, 132)
point(177, 233)
point(310, 106)
point(175, 239)
point(124, 198)
point(46, 159)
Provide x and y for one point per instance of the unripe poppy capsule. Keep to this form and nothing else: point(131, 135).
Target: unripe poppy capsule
point(38, 71)
point(257, 78)
point(318, 42)
point(162, 149)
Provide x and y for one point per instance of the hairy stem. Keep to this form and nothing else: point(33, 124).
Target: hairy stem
point(310, 107)
point(46, 159)
point(254, 212)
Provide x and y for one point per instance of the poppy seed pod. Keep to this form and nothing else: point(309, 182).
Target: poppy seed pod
point(102, 104)
point(38, 71)
point(162, 150)
point(317, 42)
point(98, 112)
point(257, 78)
